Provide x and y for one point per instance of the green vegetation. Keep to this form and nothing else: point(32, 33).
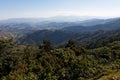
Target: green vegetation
point(69, 62)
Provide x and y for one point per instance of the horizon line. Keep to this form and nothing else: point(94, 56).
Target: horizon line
point(45, 17)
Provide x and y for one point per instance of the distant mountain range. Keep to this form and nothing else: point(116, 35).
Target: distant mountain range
point(58, 31)
point(49, 19)
point(108, 24)
point(26, 25)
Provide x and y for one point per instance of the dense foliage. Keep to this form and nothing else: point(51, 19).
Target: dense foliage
point(47, 62)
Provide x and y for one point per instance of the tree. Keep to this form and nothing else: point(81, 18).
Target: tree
point(71, 43)
point(46, 45)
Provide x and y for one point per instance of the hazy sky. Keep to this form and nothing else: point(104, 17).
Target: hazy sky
point(48, 8)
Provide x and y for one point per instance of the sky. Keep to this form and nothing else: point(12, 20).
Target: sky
point(50, 8)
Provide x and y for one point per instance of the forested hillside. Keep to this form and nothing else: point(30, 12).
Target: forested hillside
point(92, 39)
point(68, 62)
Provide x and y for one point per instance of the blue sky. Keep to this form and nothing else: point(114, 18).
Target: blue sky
point(48, 8)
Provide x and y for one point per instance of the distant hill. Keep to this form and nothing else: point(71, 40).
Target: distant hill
point(98, 38)
point(55, 36)
point(86, 39)
point(108, 25)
